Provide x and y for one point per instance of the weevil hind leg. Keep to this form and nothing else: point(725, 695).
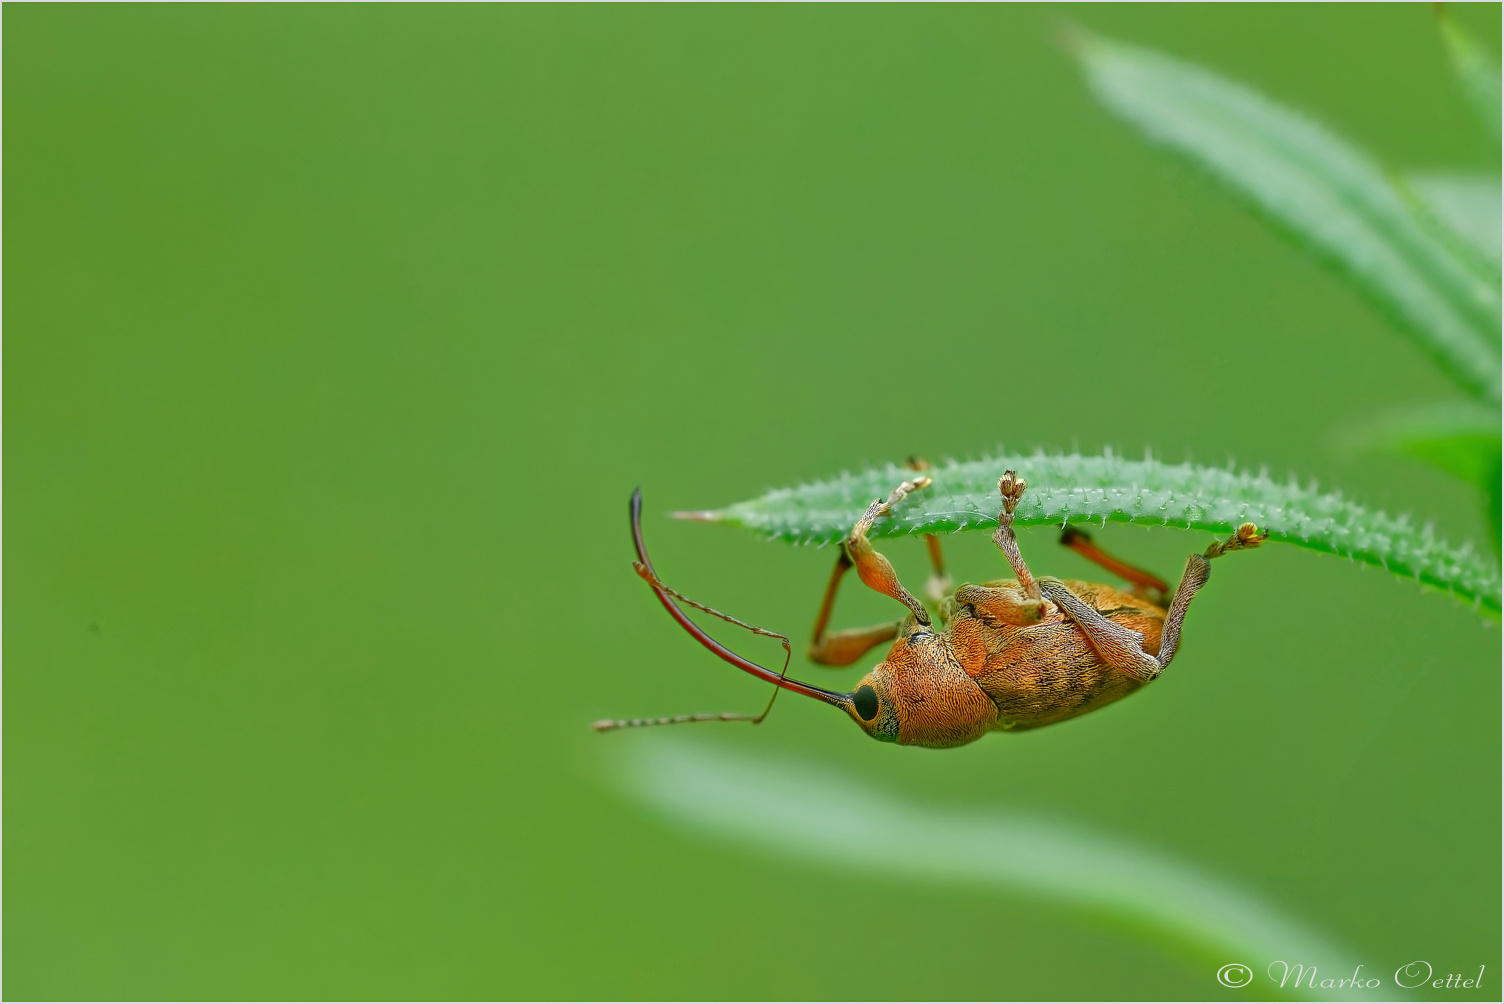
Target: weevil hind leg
point(1145, 584)
point(1198, 570)
point(1123, 648)
point(1119, 647)
point(1244, 537)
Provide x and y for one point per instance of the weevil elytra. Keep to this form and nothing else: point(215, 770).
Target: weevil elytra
point(1007, 655)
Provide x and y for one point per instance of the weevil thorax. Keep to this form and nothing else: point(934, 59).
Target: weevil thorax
point(920, 696)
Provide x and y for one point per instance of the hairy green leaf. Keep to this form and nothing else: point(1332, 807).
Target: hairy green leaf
point(1103, 489)
point(1318, 188)
point(1476, 69)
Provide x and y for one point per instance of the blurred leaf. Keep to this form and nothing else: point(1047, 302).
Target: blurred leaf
point(1074, 488)
point(811, 812)
point(1460, 437)
point(1468, 206)
point(1476, 69)
point(1318, 188)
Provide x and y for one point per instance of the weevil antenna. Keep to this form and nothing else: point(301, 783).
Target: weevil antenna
point(788, 651)
point(666, 596)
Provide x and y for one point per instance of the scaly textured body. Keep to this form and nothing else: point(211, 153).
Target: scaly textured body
point(1032, 674)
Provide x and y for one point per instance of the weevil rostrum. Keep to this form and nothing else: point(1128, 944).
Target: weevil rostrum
point(1002, 656)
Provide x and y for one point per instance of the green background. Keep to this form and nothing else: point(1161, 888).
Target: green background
point(338, 337)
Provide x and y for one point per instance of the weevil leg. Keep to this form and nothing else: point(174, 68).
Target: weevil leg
point(1122, 647)
point(1119, 647)
point(842, 648)
point(1146, 583)
point(1012, 488)
point(937, 586)
point(843, 565)
point(875, 570)
point(1002, 603)
point(1197, 570)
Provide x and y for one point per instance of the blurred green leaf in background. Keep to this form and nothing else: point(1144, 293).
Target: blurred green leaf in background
point(1477, 69)
point(837, 821)
point(338, 337)
point(1425, 249)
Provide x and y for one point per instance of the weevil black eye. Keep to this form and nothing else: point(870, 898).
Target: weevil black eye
point(865, 700)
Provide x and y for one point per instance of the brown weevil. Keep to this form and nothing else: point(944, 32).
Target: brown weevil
point(1007, 655)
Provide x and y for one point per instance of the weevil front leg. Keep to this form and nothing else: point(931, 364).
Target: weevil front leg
point(875, 570)
point(1123, 648)
point(841, 648)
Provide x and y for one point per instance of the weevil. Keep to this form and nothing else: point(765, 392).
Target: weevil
point(1002, 656)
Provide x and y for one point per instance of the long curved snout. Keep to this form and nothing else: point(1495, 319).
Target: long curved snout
point(644, 566)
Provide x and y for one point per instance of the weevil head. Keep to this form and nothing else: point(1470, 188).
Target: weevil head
point(920, 702)
point(872, 705)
